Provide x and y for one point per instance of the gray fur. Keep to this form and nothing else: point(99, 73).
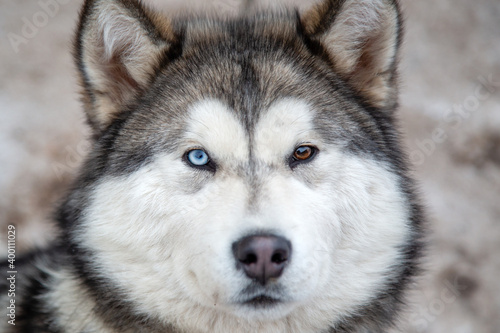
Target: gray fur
point(249, 63)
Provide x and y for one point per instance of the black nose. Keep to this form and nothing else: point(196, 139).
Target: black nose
point(262, 257)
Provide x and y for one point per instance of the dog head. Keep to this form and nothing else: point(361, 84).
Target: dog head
point(246, 174)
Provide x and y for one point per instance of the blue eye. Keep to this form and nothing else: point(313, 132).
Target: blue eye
point(197, 157)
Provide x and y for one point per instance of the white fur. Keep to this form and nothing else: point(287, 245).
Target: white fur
point(285, 125)
point(211, 125)
point(118, 30)
point(164, 233)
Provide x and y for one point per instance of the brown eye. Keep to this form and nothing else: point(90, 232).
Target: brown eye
point(302, 154)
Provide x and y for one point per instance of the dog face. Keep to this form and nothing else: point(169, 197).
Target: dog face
point(244, 171)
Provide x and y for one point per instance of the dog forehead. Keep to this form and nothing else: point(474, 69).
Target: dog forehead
point(285, 124)
point(214, 126)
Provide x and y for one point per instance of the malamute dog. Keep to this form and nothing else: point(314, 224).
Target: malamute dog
point(246, 176)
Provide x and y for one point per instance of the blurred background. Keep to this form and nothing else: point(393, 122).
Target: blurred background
point(450, 114)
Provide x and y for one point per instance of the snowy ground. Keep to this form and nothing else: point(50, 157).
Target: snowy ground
point(450, 112)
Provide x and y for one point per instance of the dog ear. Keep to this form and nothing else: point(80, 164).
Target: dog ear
point(361, 39)
point(119, 46)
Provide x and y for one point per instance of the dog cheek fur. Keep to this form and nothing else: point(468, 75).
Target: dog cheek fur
point(368, 208)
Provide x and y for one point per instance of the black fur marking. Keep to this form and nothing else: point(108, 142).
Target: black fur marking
point(330, 11)
point(175, 50)
point(315, 47)
point(33, 313)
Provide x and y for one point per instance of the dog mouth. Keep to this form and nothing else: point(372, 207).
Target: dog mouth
point(262, 301)
point(258, 297)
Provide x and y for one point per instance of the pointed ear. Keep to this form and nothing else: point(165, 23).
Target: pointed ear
point(361, 39)
point(119, 46)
